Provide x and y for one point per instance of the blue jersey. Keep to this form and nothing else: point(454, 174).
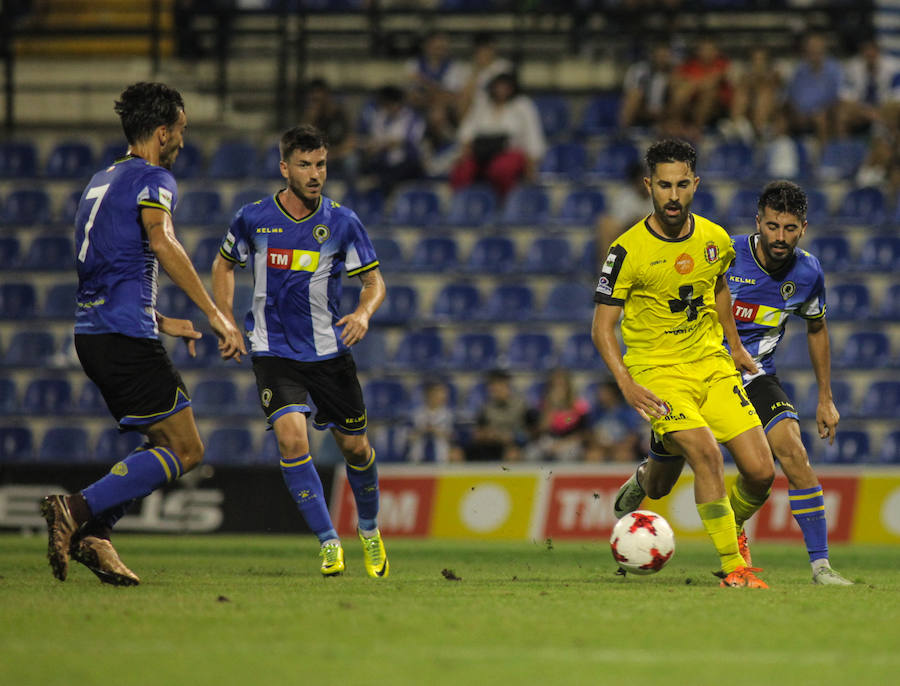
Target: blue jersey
point(117, 271)
point(297, 269)
point(762, 301)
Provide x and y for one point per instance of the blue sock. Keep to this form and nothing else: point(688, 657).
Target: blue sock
point(138, 475)
point(808, 508)
point(305, 486)
point(364, 484)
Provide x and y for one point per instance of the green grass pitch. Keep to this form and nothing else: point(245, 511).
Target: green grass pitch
point(223, 610)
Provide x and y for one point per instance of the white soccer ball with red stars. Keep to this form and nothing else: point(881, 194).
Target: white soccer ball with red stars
point(642, 542)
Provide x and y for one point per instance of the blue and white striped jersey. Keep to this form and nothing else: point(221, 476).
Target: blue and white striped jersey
point(117, 271)
point(297, 269)
point(762, 301)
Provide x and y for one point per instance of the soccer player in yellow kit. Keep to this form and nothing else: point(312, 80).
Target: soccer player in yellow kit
point(667, 274)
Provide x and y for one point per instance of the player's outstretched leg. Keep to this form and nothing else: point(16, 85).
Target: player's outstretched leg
point(98, 555)
point(61, 527)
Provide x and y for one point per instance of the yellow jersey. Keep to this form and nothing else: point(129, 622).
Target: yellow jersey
point(667, 289)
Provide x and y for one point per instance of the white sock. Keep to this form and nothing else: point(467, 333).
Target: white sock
point(368, 533)
point(818, 564)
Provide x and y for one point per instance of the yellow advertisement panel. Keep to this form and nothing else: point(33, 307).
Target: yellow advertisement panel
point(483, 506)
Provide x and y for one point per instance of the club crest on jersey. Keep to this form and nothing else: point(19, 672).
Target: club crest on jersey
point(321, 233)
point(788, 288)
point(684, 263)
point(712, 252)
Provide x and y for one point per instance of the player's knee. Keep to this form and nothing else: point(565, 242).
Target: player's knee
point(190, 452)
point(357, 452)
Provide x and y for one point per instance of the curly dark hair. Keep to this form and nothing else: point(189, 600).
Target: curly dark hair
point(305, 138)
point(144, 106)
point(784, 196)
point(671, 150)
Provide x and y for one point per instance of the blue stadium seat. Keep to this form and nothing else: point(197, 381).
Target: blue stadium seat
point(792, 352)
point(774, 162)
point(849, 302)
point(10, 251)
point(171, 301)
point(390, 441)
point(232, 160)
point(581, 207)
point(881, 399)
point(232, 446)
point(729, 161)
point(580, 353)
point(509, 303)
point(371, 352)
point(90, 401)
point(27, 207)
point(18, 160)
point(47, 397)
point(385, 399)
point(50, 253)
point(16, 444)
point(419, 350)
point(60, 301)
point(215, 398)
point(457, 302)
point(841, 159)
point(492, 255)
point(349, 298)
point(114, 445)
point(850, 447)
point(389, 253)
point(741, 212)
point(70, 160)
point(817, 213)
point(472, 207)
point(199, 207)
point(205, 252)
point(601, 116)
point(880, 254)
point(614, 160)
point(587, 261)
point(833, 252)
point(526, 206)
point(842, 393)
point(30, 349)
point(474, 352)
point(416, 207)
point(69, 207)
point(704, 204)
point(9, 397)
point(890, 448)
point(245, 197)
point(17, 301)
point(207, 349)
point(889, 309)
point(531, 352)
point(548, 255)
point(189, 163)
point(116, 149)
point(554, 113)
point(564, 161)
point(401, 306)
point(864, 350)
point(65, 444)
point(268, 165)
point(861, 207)
point(569, 302)
point(434, 254)
point(369, 206)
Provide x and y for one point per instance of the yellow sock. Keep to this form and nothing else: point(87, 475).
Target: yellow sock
point(718, 520)
point(744, 504)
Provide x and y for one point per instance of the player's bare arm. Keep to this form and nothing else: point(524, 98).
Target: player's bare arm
point(179, 328)
point(223, 287)
point(174, 259)
point(356, 323)
point(603, 333)
point(827, 415)
point(742, 359)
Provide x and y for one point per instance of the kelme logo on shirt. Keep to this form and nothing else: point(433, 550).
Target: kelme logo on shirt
point(684, 263)
point(295, 260)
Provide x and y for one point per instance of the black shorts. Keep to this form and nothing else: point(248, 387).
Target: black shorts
point(285, 385)
point(770, 401)
point(135, 376)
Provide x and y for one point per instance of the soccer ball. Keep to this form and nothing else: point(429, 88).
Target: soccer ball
point(642, 542)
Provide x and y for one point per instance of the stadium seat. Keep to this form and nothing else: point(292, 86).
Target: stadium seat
point(65, 444)
point(9, 397)
point(849, 302)
point(189, 163)
point(833, 252)
point(30, 349)
point(70, 160)
point(861, 207)
point(548, 255)
point(69, 207)
point(526, 206)
point(554, 113)
point(390, 441)
point(880, 254)
point(787, 158)
point(569, 302)
point(842, 393)
point(16, 444)
point(369, 206)
point(215, 398)
point(492, 255)
point(114, 445)
point(472, 207)
point(114, 150)
point(614, 160)
point(509, 303)
point(207, 349)
point(580, 353)
point(371, 352)
point(245, 197)
point(729, 161)
point(27, 207)
point(401, 306)
point(205, 252)
point(563, 161)
point(601, 116)
point(199, 207)
point(864, 350)
point(386, 399)
point(10, 251)
point(47, 397)
point(587, 261)
point(434, 254)
point(232, 446)
point(232, 160)
point(17, 301)
point(389, 253)
point(889, 309)
point(90, 401)
point(881, 399)
point(18, 160)
point(704, 204)
point(850, 447)
point(171, 301)
point(59, 302)
point(840, 159)
point(531, 352)
point(416, 207)
point(581, 207)
point(50, 253)
point(792, 352)
point(419, 350)
point(890, 448)
point(349, 298)
point(741, 212)
point(268, 164)
point(817, 208)
point(474, 352)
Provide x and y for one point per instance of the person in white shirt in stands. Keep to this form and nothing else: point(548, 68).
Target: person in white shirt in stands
point(869, 91)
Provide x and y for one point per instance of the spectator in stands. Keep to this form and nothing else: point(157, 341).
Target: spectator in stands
point(755, 100)
point(645, 89)
point(813, 91)
point(432, 437)
point(562, 422)
point(392, 144)
point(615, 428)
point(626, 207)
point(485, 65)
point(501, 139)
point(701, 88)
point(436, 80)
point(868, 94)
point(501, 426)
point(324, 111)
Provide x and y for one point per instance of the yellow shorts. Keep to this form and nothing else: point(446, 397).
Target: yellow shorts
point(707, 392)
